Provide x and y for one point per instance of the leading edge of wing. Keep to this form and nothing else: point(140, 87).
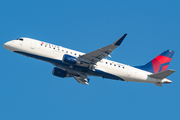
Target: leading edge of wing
point(101, 53)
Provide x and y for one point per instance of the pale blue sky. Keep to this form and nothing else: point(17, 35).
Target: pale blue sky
point(28, 90)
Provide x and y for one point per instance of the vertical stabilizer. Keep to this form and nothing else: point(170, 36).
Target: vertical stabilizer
point(160, 63)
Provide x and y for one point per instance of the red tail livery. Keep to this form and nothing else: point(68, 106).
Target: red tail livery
point(160, 63)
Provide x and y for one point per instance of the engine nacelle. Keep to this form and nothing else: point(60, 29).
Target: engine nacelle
point(60, 73)
point(69, 59)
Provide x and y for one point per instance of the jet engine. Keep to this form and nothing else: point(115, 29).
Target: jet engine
point(69, 59)
point(60, 73)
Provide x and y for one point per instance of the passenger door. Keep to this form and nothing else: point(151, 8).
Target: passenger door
point(33, 44)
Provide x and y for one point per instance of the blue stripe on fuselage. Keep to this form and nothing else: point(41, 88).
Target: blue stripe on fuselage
point(75, 67)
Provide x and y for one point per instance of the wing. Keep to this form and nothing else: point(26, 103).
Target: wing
point(92, 58)
point(98, 55)
point(82, 79)
point(79, 77)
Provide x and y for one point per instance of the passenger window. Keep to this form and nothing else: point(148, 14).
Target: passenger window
point(110, 63)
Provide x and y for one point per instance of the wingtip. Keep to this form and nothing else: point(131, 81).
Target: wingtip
point(119, 41)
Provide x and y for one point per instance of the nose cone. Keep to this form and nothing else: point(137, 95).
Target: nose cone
point(8, 45)
point(5, 45)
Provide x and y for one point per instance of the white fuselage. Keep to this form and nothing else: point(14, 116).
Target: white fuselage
point(54, 54)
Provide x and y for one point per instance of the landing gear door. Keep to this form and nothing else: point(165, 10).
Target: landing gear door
point(33, 44)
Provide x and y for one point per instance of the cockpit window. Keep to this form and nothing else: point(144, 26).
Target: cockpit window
point(21, 39)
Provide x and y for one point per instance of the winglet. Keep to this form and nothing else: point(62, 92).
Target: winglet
point(119, 41)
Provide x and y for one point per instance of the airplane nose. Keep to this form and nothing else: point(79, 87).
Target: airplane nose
point(5, 45)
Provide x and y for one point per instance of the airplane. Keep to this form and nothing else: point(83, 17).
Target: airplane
point(71, 63)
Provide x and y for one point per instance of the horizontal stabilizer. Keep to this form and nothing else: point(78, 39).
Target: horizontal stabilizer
point(162, 75)
point(158, 84)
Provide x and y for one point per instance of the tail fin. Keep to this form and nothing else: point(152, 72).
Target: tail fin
point(160, 63)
